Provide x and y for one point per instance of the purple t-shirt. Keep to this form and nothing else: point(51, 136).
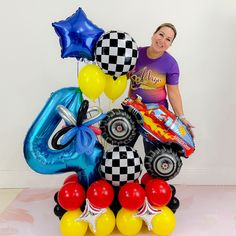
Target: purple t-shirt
point(149, 77)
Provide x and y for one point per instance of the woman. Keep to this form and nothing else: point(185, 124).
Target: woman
point(156, 74)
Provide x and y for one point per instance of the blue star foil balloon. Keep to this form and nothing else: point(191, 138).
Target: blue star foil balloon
point(42, 158)
point(77, 36)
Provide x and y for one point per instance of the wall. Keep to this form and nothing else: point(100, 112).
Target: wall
point(31, 68)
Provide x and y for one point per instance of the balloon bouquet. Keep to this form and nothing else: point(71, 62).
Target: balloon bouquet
point(104, 191)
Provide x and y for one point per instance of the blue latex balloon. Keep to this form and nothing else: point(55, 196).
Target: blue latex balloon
point(44, 159)
point(78, 36)
point(85, 139)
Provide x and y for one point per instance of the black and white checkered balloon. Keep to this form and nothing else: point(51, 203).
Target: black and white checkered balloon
point(120, 165)
point(116, 53)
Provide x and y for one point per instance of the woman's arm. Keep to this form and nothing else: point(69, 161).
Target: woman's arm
point(175, 99)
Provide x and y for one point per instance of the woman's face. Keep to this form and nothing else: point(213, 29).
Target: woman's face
point(162, 39)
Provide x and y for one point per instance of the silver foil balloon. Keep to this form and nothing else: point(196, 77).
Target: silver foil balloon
point(147, 212)
point(66, 115)
point(91, 214)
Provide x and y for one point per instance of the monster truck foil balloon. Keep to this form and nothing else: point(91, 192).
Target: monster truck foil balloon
point(170, 137)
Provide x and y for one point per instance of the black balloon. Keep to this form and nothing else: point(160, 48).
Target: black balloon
point(173, 189)
point(82, 112)
point(59, 211)
point(115, 205)
point(56, 197)
point(82, 207)
point(174, 204)
point(58, 135)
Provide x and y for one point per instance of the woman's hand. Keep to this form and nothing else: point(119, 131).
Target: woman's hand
point(176, 103)
point(188, 125)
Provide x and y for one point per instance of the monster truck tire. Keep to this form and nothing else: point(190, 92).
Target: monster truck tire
point(162, 163)
point(118, 128)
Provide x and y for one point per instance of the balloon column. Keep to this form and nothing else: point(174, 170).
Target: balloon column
point(104, 192)
point(149, 206)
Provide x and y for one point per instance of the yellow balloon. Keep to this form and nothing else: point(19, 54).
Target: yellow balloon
point(115, 88)
point(91, 81)
point(128, 224)
point(105, 223)
point(70, 227)
point(164, 223)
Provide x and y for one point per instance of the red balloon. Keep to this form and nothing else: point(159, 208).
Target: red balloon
point(71, 196)
point(131, 196)
point(146, 177)
point(158, 192)
point(100, 194)
point(72, 178)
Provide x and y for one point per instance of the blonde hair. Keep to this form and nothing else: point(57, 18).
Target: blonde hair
point(169, 25)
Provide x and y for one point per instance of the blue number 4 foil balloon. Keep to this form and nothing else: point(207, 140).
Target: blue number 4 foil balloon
point(43, 158)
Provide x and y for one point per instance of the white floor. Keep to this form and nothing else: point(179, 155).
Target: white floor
point(7, 196)
point(204, 211)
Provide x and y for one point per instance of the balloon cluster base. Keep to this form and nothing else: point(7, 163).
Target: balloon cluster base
point(103, 209)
